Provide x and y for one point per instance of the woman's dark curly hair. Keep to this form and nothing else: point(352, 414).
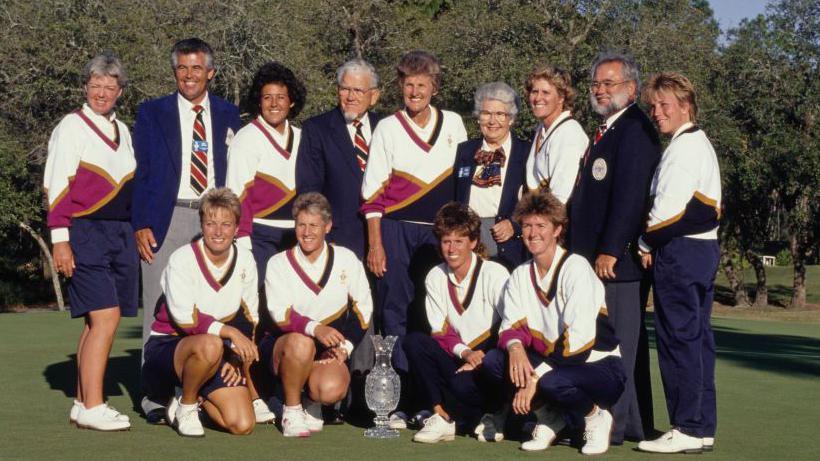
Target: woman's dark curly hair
point(274, 72)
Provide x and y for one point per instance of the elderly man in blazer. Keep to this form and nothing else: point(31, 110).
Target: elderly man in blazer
point(333, 152)
point(181, 142)
point(607, 212)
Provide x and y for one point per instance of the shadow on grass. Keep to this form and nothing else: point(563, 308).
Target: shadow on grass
point(122, 373)
point(786, 354)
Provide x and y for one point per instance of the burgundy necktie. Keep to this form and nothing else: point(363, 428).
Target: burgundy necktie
point(199, 154)
point(360, 145)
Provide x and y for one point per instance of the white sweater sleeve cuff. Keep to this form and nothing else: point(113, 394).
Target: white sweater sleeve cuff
point(511, 342)
point(542, 369)
point(214, 328)
point(310, 328)
point(348, 347)
point(59, 234)
point(372, 214)
point(459, 349)
point(643, 246)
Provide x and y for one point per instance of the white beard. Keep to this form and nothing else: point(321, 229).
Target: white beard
point(617, 102)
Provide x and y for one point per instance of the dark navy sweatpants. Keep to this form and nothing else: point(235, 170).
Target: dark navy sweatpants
point(433, 373)
point(684, 271)
point(573, 389)
point(411, 250)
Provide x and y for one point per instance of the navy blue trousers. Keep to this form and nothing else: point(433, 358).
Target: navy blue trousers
point(573, 389)
point(433, 373)
point(684, 271)
point(411, 250)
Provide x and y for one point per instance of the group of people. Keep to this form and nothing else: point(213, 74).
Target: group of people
point(514, 272)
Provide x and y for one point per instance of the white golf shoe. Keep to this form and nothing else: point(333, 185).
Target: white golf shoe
point(262, 412)
point(597, 431)
point(436, 429)
point(102, 418)
point(673, 441)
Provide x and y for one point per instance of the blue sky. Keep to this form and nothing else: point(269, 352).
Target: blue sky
point(729, 13)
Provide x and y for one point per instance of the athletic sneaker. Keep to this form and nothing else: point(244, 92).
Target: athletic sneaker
point(398, 420)
point(102, 418)
point(491, 426)
point(436, 429)
point(597, 430)
point(262, 412)
point(75, 411)
point(186, 420)
point(313, 414)
point(673, 441)
point(293, 423)
point(708, 444)
point(550, 422)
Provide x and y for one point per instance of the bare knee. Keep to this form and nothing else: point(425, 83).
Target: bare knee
point(241, 426)
point(209, 349)
point(328, 390)
point(298, 347)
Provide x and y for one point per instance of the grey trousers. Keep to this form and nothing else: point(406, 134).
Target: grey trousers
point(623, 302)
point(184, 228)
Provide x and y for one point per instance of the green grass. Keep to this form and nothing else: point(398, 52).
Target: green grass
point(779, 280)
point(768, 397)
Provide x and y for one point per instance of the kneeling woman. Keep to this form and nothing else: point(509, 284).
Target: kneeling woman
point(462, 304)
point(319, 298)
point(562, 354)
point(201, 338)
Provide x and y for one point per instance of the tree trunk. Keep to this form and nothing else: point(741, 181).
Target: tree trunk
point(799, 286)
point(735, 282)
point(761, 292)
point(58, 292)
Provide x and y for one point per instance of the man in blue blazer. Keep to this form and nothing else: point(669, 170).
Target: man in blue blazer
point(607, 213)
point(332, 157)
point(511, 252)
point(181, 142)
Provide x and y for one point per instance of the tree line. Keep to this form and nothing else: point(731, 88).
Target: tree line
point(757, 86)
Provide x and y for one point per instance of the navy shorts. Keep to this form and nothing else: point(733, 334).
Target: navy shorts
point(158, 375)
point(107, 267)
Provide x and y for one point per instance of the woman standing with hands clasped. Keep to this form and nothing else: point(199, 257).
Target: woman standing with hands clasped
point(88, 183)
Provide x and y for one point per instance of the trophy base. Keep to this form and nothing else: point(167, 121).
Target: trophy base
point(381, 432)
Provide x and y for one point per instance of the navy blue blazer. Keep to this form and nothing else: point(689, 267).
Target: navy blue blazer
point(327, 164)
point(512, 252)
point(608, 207)
point(157, 143)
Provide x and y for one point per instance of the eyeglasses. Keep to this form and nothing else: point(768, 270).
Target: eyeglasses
point(606, 84)
point(358, 92)
point(486, 115)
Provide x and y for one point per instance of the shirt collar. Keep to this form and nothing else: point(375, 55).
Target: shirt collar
point(273, 131)
point(97, 117)
point(468, 277)
point(682, 128)
point(611, 119)
point(305, 262)
point(186, 106)
point(547, 130)
point(506, 145)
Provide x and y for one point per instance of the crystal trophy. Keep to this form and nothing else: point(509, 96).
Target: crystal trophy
point(382, 389)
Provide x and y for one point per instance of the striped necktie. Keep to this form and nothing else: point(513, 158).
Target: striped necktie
point(360, 147)
point(599, 133)
point(199, 154)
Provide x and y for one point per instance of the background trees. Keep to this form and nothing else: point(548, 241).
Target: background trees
point(758, 92)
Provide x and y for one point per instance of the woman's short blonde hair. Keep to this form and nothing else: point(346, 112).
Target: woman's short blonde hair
point(221, 197)
point(676, 84)
point(559, 78)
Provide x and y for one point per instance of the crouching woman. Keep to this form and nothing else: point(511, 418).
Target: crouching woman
point(201, 340)
point(562, 356)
